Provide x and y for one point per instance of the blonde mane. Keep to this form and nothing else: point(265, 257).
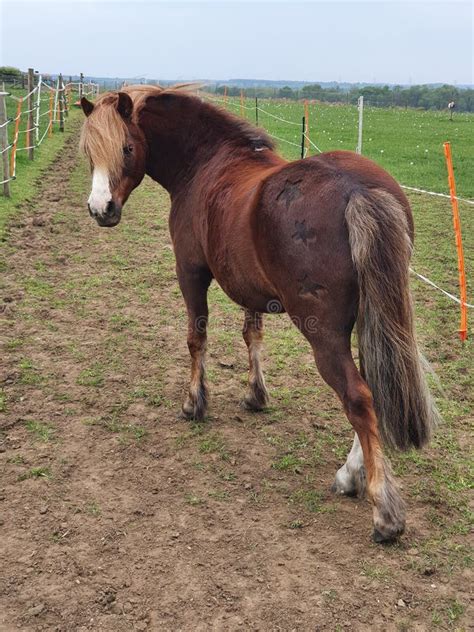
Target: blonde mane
point(104, 132)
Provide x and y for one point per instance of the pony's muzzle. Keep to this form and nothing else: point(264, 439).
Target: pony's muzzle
point(110, 217)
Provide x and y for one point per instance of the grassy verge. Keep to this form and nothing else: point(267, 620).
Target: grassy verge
point(23, 188)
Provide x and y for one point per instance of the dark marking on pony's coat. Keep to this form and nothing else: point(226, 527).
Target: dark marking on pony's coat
point(303, 233)
point(290, 192)
point(309, 287)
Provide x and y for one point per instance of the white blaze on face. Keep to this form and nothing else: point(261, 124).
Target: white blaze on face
point(100, 195)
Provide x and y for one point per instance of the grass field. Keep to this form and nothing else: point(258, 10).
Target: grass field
point(119, 517)
point(408, 143)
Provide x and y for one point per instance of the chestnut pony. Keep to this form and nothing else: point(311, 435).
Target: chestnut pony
point(327, 239)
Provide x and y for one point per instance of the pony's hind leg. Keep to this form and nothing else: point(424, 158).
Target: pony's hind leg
point(257, 396)
point(337, 368)
point(194, 284)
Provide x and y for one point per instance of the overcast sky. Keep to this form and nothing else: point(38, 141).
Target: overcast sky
point(393, 42)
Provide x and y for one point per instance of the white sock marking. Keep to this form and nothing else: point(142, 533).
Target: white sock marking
point(355, 460)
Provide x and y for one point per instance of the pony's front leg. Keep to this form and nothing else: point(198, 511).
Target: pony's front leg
point(194, 284)
point(257, 396)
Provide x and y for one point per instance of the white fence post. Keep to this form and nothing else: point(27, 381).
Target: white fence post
point(55, 107)
point(30, 120)
point(360, 104)
point(4, 145)
point(38, 107)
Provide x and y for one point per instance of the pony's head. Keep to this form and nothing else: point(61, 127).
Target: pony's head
point(116, 148)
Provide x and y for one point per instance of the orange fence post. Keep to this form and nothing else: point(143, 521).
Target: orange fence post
point(15, 138)
point(51, 105)
point(457, 233)
point(242, 103)
point(306, 116)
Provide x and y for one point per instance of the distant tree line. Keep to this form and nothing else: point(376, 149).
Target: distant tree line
point(422, 96)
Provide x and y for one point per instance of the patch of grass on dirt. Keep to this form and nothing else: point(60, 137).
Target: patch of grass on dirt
point(3, 401)
point(123, 429)
point(36, 472)
point(93, 508)
point(310, 499)
point(120, 322)
point(221, 494)
point(29, 374)
point(18, 459)
point(193, 499)
point(113, 422)
point(296, 524)
point(227, 476)
point(195, 430)
point(37, 288)
point(448, 614)
point(14, 343)
point(289, 462)
point(330, 595)
point(213, 443)
point(157, 399)
point(93, 376)
point(373, 571)
point(42, 431)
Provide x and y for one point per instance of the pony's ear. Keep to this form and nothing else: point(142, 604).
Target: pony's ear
point(124, 105)
point(87, 106)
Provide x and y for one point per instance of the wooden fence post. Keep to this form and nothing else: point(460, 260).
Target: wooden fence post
point(15, 137)
point(30, 121)
point(4, 146)
point(81, 85)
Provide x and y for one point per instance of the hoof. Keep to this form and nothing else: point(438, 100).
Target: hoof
point(252, 405)
point(191, 413)
point(350, 493)
point(380, 538)
point(389, 537)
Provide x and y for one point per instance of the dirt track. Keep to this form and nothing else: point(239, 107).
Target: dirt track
point(117, 516)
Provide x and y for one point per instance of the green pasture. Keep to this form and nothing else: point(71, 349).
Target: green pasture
point(406, 142)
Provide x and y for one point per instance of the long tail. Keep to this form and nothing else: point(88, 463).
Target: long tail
point(390, 361)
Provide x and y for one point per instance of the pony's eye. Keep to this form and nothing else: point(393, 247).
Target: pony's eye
point(128, 149)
